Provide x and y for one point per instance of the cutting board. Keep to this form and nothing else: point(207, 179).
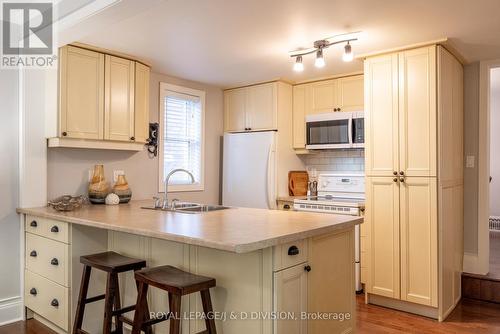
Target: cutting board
point(297, 183)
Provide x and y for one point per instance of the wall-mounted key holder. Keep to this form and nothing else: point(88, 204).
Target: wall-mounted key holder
point(152, 142)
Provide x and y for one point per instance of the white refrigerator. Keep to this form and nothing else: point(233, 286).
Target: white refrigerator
point(249, 170)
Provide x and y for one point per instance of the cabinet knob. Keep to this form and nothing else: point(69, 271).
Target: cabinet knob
point(293, 250)
point(34, 223)
point(307, 268)
point(54, 303)
point(54, 229)
point(33, 292)
point(132, 138)
point(395, 179)
point(64, 134)
point(54, 262)
point(286, 206)
point(402, 179)
point(395, 173)
point(33, 253)
point(339, 109)
point(401, 173)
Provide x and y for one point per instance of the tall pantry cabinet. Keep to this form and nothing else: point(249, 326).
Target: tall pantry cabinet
point(413, 240)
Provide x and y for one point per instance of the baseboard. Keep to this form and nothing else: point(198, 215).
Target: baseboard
point(426, 311)
point(11, 310)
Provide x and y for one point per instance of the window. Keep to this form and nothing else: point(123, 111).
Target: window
point(181, 136)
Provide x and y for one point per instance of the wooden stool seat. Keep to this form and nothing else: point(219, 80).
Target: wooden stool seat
point(174, 280)
point(177, 283)
point(112, 262)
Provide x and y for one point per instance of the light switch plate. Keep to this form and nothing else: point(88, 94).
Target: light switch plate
point(470, 161)
point(116, 173)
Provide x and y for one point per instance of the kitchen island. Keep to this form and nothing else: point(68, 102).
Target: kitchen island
point(297, 267)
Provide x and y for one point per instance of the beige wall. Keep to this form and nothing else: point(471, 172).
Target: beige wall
point(471, 147)
point(68, 168)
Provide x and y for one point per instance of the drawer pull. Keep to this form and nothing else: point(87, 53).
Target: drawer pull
point(307, 268)
point(54, 303)
point(33, 253)
point(293, 250)
point(54, 229)
point(54, 262)
point(33, 223)
point(33, 292)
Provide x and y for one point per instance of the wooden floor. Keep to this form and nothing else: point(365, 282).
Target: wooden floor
point(470, 316)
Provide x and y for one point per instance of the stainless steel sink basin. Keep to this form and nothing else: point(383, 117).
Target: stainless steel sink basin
point(202, 208)
point(186, 207)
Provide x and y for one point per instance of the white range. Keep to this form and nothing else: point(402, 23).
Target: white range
point(339, 193)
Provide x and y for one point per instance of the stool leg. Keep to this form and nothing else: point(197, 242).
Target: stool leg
point(117, 305)
point(208, 310)
point(80, 307)
point(175, 311)
point(146, 316)
point(142, 302)
point(108, 304)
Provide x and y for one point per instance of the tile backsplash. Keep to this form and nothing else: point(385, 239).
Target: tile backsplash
point(352, 160)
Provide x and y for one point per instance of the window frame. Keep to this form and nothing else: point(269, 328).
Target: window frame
point(164, 88)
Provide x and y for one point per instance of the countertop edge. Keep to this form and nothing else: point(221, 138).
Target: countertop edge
point(234, 248)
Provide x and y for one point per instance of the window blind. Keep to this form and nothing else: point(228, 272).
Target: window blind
point(182, 136)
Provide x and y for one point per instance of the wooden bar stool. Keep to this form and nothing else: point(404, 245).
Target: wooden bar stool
point(177, 283)
point(112, 263)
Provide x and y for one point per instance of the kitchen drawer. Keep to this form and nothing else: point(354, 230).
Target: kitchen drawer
point(47, 258)
point(290, 254)
point(46, 298)
point(52, 229)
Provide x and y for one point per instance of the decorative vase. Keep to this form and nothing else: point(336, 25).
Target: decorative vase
point(122, 189)
point(98, 187)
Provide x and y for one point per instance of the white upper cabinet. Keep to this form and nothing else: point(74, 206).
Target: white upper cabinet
point(251, 108)
point(119, 99)
point(81, 95)
point(323, 97)
point(103, 100)
point(350, 93)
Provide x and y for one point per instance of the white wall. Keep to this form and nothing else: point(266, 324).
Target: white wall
point(495, 142)
point(10, 300)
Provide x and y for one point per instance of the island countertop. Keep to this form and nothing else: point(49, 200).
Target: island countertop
point(238, 230)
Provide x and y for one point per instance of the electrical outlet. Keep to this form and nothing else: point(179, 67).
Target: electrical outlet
point(470, 161)
point(116, 173)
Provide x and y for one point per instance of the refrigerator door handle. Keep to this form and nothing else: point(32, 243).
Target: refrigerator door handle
point(270, 194)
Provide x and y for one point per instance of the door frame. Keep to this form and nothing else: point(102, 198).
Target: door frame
point(480, 263)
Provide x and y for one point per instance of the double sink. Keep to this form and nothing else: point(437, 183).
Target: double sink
point(186, 207)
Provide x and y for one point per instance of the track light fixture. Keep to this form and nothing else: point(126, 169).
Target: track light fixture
point(319, 47)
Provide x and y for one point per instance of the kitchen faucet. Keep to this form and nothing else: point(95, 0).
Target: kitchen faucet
point(167, 179)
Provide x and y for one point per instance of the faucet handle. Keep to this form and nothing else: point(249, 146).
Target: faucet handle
point(157, 202)
point(172, 203)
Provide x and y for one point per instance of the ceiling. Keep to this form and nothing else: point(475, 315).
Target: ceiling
point(234, 42)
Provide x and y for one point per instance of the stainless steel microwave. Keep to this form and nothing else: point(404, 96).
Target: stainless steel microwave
point(335, 130)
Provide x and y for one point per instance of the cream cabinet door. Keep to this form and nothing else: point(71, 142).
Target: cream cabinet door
point(381, 115)
point(119, 99)
point(290, 288)
point(323, 97)
point(81, 95)
point(262, 106)
point(417, 111)
point(351, 93)
point(141, 110)
point(235, 118)
point(299, 116)
point(383, 244)
point(330, 283)
point(419, 254)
